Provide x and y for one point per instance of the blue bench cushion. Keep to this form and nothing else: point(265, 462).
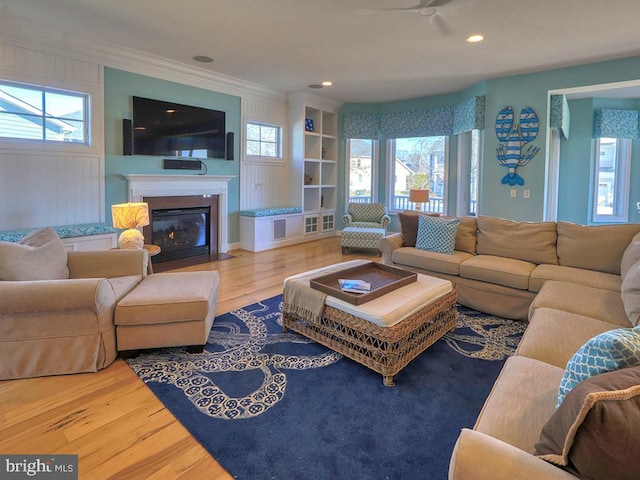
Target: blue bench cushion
point(268, 212)
point(65, 231)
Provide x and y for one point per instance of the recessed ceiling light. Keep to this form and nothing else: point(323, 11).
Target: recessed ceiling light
point(327, 83)
point(203, 59)
point(475, 38)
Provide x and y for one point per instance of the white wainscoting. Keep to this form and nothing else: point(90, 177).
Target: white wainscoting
point(40, 190)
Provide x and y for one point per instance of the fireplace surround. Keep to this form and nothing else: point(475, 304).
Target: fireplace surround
point(166, 194)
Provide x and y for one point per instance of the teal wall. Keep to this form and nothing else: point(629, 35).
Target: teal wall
point(519, 91)
point(119, 87)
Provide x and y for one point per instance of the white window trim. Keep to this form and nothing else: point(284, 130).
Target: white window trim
point(375, 155)
point(391, 145)
point(464, 173)
point(621, 203)
point(259, 158)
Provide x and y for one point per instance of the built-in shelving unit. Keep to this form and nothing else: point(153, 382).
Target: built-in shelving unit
point(315, 164)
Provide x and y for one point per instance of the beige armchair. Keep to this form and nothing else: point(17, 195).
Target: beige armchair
point(60, 326)
point(366, 215)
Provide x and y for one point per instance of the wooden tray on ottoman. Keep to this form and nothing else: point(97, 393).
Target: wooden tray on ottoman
point(385, 350)
point(383, 279)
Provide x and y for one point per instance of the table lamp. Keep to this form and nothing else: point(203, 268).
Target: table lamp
point(130, 216)
point(418, 197)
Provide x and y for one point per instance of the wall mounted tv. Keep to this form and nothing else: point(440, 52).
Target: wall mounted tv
point(175, 130)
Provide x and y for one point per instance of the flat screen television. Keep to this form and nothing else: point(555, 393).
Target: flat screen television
point(174, 130)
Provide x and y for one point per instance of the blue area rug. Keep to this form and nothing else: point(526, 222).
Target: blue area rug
point(270, 405)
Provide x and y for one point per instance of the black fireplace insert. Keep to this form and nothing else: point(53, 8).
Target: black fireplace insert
point(181, 232)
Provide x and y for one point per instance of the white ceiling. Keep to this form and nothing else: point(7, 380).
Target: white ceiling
point(287, 45)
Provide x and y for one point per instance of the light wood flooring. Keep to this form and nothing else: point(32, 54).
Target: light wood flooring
point(111, 420)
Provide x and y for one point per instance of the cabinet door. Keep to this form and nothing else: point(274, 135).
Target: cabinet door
point(311, 224)
point(328, 221)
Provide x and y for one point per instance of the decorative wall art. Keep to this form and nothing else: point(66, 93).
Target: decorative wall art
point(308, 125)
point(513, 137)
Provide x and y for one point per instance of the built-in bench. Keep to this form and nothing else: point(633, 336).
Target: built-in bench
point(265, 228)
point(85, 236)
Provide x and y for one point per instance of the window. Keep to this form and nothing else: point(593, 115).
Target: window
point(611, 180)
point(468, 173)
point(362, 155)
point(418, 163)
point(30, 112)
point(263, 140)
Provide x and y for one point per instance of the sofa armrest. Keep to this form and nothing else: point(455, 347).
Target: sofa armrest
point(44, 296)
point(388, 244)
point(477, 456)
point(107, 263)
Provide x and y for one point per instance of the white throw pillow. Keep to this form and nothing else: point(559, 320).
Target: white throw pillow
point(38, 256)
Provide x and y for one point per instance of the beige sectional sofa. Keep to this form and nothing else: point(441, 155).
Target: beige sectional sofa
point(572, 283)
point(498, 266)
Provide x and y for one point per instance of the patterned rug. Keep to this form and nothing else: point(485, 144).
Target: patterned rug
point(274, 405)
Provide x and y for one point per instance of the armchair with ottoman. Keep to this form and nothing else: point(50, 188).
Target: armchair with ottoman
point(58, 309)
point(365, 224)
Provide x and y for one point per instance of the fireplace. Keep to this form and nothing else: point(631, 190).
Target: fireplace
point(185, 229)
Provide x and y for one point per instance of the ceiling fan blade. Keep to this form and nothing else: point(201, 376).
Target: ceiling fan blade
point(438, 3)
point(442, 25)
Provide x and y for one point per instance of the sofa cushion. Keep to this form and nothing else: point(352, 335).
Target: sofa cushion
point(580, 276)
point(596, 431)
point(408, 228)
point(520, 403)
point(630, 294)
point(437, 234)
point(553, 336)
point(594, 247)
point(498, 270)
point(605, 305)
point(431, 261)
point(466, 235)
point(630, 256)
point(38, 256)
point(605, 352)
point(533, 242)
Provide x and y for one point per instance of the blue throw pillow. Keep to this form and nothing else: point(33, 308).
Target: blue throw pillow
point(606, 352)
point(437, 234)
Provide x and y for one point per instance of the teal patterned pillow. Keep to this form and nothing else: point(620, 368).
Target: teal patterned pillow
point(437, 234)
point(606, 352)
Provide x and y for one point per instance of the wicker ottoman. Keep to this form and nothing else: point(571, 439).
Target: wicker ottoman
point(362, 238)
point(168, 310)
point(388, 332)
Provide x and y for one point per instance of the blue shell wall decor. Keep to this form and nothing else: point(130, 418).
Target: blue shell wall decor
point(513, 137)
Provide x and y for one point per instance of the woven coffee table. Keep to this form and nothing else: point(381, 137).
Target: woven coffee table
point(386, 333)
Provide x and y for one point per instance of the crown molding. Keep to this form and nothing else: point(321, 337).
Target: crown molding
point(313, 100)
point(130, 60)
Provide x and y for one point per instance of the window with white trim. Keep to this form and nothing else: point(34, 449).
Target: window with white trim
point(418, 163)
point(362, 155)
point(35, 113)
point(610, 193)
point(263, 140)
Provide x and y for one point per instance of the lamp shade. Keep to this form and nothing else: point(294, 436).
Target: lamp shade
point(130, 215)
point(419, 196)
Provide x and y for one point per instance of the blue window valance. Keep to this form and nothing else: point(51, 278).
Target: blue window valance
point(560, 116)
point(450, 120)
point(616, 123)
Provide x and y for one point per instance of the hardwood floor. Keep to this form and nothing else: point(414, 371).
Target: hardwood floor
point(111, 420)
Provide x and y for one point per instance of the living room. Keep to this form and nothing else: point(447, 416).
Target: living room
point(63, 185)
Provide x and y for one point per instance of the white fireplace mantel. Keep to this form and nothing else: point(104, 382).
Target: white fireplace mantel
point(159, 185)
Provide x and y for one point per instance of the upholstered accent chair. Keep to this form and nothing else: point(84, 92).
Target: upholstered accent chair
point(366, 215)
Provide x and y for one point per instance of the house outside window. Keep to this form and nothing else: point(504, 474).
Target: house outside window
point(418, 163)
point(263, 140)
point(610, 192)
point(361, 175)
point(33, 113)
